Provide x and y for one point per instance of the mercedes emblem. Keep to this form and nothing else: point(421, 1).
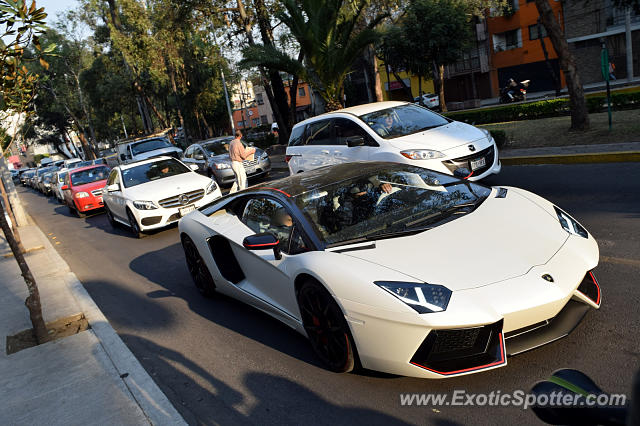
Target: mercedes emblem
point(183, 199)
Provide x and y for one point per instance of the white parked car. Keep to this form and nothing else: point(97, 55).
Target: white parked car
point(398, 132)
point(412, 271)
point(429, 100)
point(153, 193)
point(58, 182)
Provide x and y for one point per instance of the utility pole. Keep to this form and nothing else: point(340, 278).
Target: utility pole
point(628, 44)
point(226, 98)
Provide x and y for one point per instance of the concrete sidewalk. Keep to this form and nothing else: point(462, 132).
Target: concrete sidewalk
point(594, 153)
point(88, 378)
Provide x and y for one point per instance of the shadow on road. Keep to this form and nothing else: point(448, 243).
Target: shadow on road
point(270, 400)
point(167, 268)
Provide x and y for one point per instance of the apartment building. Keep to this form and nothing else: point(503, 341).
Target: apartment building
point(588, 25)
point(517, 51)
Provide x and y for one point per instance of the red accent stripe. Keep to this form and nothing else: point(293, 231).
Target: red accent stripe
point(275, 189)
point(480, 367)
point(593, 277)
point(263, 245)
point(467, 177)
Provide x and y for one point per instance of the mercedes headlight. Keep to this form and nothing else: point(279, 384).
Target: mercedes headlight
point(144, 205)
point(81, 195)
point(211, 187)
point(221, 166)
point(422, 154)
point(570, 225)
point(422, 297)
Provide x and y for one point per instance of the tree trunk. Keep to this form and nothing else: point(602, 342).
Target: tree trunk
point(14, 222)
point(443, 104)
point(33, 301)
point(174, 88)
point(94, 141)
point(332, 104)
point(376, 76)
point(293, 95)
point(577, 101)
point(420, 99)
point(406, 88)
point(554, 76)
point(278, 98)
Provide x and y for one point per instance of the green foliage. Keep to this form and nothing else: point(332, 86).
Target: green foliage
point(21, 27)
point(329, 37)
point(38, 157)
point(500, 136)
point(543, 109)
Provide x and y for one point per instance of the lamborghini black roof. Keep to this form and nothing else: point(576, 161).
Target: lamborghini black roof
point(303, 182)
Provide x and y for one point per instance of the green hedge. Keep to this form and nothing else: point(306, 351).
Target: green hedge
point(543, 109)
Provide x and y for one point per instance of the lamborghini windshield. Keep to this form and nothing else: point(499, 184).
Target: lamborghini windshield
point(393, 200)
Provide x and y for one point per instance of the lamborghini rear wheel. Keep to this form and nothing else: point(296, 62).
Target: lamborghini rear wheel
point(197, 268)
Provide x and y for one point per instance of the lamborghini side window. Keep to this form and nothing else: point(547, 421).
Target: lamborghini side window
point(266, 215)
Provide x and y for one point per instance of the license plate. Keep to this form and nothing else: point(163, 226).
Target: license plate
point(476, 164)
point(186, 210)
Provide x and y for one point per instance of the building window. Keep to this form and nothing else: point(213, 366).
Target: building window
point(263, 119)
point(255, 122)
point(507, 40)
point(537, 31)
point(301, 91)
point(241, 124)
point(259, 99)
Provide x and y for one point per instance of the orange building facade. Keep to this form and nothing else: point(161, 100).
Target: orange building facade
point(516, 49)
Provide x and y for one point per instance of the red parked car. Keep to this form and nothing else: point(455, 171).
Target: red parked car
point(83, 188)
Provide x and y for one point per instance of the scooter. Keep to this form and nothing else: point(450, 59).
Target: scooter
point(514, 92)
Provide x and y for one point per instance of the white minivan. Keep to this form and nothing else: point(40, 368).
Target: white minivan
point(398, 132)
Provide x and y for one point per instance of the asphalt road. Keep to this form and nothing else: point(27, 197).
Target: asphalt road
point(221, 362)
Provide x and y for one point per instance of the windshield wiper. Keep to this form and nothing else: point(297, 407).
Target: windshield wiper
point(394, 234)
point(440, 215)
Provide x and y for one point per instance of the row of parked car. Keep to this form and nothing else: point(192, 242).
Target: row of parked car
point(144, 193)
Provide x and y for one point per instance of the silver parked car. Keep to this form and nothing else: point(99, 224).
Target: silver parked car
point(212, 158)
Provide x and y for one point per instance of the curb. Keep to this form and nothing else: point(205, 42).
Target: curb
point(145, 392)
point(599, 157)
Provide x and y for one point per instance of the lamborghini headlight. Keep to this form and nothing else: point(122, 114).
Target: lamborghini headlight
point(570, 225)
point(422, 297)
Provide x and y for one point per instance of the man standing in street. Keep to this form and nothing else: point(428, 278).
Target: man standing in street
point(238, 154)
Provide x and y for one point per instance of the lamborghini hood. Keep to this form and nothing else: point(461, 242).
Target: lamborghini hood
point(502, 239)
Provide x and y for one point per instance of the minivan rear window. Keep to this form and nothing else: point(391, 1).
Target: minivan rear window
point(297, 136)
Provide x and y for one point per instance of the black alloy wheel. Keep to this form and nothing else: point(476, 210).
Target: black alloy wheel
point(326, 327)
point(133, 224)
point(197, 268)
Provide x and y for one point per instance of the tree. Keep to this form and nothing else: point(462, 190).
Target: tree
point(577, 101)
point(328, 39)
point(439, 31)
point(22, 27)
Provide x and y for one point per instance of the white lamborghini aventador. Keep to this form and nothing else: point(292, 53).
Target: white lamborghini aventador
point(398, 268)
